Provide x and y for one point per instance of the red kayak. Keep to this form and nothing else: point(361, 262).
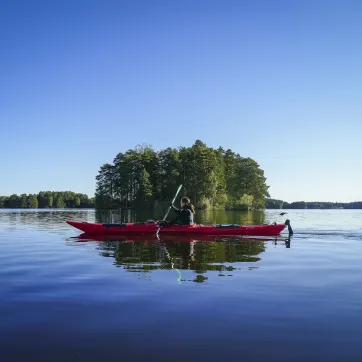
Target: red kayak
point(151, 227)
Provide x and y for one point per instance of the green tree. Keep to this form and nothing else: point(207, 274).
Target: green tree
point(60, 203)
point(23, 201)
point(76, 201)
point(12, 202)
point(106, 185)
point(33, 201)
point(250, 180)
point(273, 204)
point(168, 173)
point(245, 202)
point(49, 198)
point(145, 187)
point(42, 201)
point(45, 199)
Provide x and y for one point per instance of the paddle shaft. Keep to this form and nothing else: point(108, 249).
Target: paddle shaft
point(178, 190)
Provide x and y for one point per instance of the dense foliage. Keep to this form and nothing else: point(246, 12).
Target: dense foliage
point(47, 199)
point(142, 177)
point(279, 204)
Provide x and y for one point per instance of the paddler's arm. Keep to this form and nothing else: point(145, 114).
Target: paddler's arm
point(176, 209)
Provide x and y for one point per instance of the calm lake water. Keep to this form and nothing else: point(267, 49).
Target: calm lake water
point(297, 299)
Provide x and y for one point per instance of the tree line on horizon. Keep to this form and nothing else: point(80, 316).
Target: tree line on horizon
point(211, 178)
point(69, 199)
point(47, 199)
point(280, 204)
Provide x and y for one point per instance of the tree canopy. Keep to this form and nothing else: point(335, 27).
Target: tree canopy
point(141, 177)
point(47, 199)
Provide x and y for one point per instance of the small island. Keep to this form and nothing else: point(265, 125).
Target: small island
point(211, 178)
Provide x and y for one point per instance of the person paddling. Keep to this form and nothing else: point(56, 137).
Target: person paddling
point(186, 213)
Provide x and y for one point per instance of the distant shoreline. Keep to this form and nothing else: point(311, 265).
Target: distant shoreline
point(68, 200)
point(300, 205)
point(47, 200)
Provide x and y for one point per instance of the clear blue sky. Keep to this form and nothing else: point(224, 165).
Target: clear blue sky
point(279, 81)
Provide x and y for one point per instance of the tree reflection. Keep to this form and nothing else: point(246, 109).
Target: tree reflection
point(218, 254)
point(144, 254)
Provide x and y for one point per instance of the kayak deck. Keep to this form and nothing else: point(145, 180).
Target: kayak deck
point(197, 229)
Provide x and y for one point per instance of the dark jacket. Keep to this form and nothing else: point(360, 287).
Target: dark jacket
point(186, 216)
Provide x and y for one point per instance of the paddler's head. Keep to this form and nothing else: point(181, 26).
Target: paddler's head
point(186, 203)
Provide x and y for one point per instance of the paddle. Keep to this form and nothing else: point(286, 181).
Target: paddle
point(178, 190)
point(164, 249)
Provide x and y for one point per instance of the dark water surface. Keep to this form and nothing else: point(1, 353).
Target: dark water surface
point(297, 299)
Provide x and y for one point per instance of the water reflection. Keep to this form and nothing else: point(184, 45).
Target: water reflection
point(46, 219)
point(201, 216)
point(55, 218)
point(285, 241)
point(197, 256)
point(223, 255)
point(144, 254)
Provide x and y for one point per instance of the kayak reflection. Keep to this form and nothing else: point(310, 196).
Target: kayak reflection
point(143, 254)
